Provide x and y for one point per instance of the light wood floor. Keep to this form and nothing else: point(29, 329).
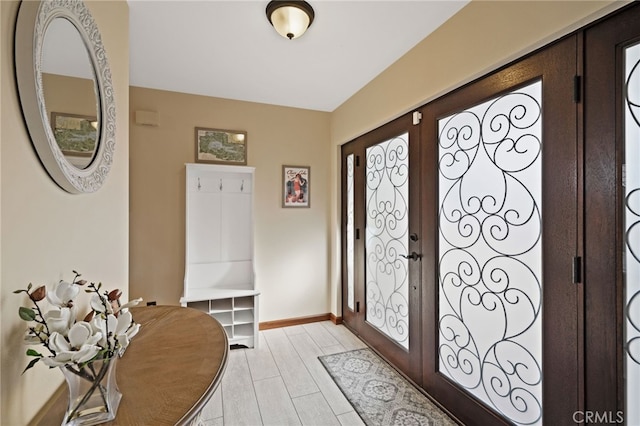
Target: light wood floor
point(283, 382)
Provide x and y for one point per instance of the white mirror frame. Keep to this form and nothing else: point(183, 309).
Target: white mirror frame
point(33, 19)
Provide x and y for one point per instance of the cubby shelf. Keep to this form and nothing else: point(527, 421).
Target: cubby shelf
point(236, 314)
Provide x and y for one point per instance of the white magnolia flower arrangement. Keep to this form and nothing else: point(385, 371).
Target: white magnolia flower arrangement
point(104, 333)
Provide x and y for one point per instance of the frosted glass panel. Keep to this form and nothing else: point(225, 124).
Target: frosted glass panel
point(387, 224)
point(350, 232)
point(632, 226)
point(490, 256)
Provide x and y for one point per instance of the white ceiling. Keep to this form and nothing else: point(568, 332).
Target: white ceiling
point(228, 49)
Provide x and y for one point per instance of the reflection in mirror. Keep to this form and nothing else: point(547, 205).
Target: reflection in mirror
point(76, 137)
point(69, 89)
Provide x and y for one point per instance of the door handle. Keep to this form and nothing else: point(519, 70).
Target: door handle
point(412, 256)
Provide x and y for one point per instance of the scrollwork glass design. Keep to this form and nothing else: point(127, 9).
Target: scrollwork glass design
point(387, 224)
point(490, 255)
point(632, 231)
point(349, 231)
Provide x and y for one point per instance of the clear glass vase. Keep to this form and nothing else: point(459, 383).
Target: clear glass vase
point(94, 396)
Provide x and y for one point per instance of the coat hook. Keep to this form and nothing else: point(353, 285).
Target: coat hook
point(242, 186)
point(220, 184)
point(199, 186)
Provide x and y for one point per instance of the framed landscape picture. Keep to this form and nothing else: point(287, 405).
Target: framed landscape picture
point(219, 146)
point(76, 135)
point(295, 186)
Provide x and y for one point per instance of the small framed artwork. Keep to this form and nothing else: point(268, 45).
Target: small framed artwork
point(295, 186)
point(219, 146)
point(76, 135)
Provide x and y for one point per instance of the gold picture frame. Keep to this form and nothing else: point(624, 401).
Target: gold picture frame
point(219, 146)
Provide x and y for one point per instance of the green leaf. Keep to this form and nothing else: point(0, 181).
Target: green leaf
point(33, 352)
point(27, 314)
point(18, 291)
point(31, 364)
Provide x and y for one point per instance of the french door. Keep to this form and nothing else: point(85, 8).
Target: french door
point(381, 242)
point(524, 204)
point(491, 235)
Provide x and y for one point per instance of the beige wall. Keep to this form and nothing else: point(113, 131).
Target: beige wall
point(291, 245)
point(483, 36)
point(70, 95)
point(45, 232)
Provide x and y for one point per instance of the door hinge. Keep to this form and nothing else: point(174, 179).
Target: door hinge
point(577, 270)
point(357, 233)
point(577, 88)
point(357, 161)
point(417, 116)
point(357, 306)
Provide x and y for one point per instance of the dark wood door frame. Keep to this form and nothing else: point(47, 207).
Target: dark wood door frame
point(604, 202)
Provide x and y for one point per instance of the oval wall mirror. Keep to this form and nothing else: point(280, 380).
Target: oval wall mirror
point(65, 89)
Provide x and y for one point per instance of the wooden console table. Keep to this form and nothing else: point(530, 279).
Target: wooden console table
point(169, 371)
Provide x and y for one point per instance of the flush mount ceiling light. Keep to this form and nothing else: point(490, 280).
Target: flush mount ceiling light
point(290, 18)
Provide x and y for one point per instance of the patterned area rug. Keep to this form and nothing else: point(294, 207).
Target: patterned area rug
point(378, 393)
